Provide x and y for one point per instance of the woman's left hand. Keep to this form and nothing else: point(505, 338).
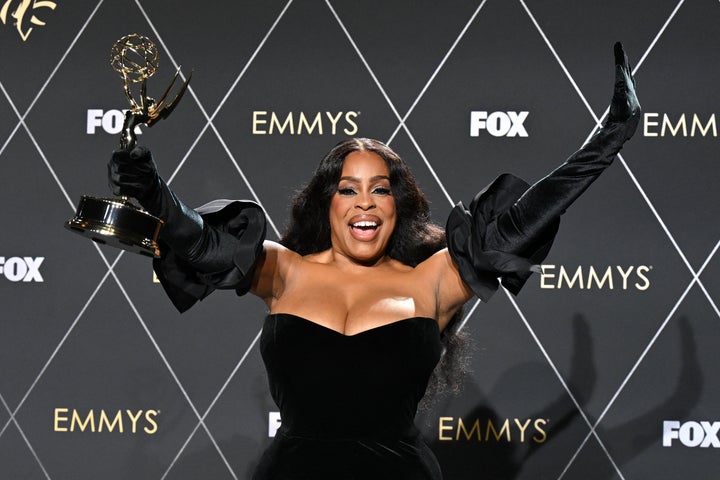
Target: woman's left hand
point(624, 107)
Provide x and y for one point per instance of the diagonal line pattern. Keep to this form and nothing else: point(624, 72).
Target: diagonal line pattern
point(561, 380)
point(210, 124)
point(175, 378)
point(437, 70)
point(401, 125)
point(212, 404)
point(13, 414)
point(57, 348)
point(24, 437)
point(598, 124)
point(694, 280)
point(110, 271)
point(660, 221)
point(209, 119)
point(50, 77)
point(389, 102)
point(21, 123)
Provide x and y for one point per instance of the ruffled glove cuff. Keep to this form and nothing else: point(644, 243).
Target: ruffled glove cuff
point(487, 249)
point(225, 257)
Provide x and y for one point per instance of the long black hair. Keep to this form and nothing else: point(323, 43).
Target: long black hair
point(414, 239)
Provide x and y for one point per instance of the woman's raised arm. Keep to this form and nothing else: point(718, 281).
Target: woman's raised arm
point(215, 246)
point(508, 228)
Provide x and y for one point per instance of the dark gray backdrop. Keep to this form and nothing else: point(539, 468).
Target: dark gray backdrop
point(88, 342)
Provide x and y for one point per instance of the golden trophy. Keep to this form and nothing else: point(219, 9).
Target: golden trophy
point(116, 221)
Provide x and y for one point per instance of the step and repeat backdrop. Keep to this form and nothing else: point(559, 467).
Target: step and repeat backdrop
point(604, 367)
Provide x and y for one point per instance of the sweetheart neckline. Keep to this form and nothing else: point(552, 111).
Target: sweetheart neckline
point(369, 330)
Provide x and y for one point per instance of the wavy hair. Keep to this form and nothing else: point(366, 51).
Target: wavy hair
point(414, 239)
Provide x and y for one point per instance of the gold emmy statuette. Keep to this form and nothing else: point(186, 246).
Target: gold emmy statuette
point(116, 221)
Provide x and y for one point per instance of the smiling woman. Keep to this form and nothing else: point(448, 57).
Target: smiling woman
point(361, 288)
point(362, 211)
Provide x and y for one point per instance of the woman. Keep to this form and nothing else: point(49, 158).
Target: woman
point(360, 288)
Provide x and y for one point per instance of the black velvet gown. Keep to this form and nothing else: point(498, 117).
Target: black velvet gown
point(347, 403)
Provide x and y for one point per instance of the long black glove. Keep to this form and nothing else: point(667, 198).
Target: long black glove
point(548, 198)
point(214, 247)
point(508, 227)
point(134, 174)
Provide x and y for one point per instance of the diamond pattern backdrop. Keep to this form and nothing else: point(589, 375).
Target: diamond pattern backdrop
point(575, 378)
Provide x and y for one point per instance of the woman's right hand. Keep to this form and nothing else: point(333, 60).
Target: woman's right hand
point(132, 173)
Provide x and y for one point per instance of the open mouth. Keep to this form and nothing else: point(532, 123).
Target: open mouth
point(364, 226)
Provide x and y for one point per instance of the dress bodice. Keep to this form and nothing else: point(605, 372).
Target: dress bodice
point(332, 385)
point(347, 402)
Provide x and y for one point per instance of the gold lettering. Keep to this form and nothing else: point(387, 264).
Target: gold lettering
point(704, 131)
point(104, 420)
point(625, 274)
point(275, 122)
point(442, 427)
point(59, 419)
point(306, 124)
point(150, 417)
point(641, 273)
point(257, 121)
point(317, 122)
point(649, 123)
point(538, 426)
point(544, 275)
point(497, 430)
point(682, 124)
point(333, 120)
point(570, 282)
point(522, 427)
point(491, 428)
point(600, 282)
point(134, 419)
point(475, 428)
point(351, 122)
point(90, 419)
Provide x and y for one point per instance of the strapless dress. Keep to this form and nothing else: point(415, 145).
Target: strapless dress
point(347, 402)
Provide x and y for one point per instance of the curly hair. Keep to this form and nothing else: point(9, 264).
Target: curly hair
point(414, 239)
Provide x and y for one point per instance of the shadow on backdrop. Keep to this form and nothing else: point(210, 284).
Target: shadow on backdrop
point(490, 458)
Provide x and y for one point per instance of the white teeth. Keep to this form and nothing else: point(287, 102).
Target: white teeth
point(364, 224)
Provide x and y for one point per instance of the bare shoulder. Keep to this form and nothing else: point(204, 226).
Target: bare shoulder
point(276, 250)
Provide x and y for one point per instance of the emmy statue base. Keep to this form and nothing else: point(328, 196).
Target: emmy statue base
point(118, 223)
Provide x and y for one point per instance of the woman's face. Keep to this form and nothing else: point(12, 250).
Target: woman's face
point(362, 210)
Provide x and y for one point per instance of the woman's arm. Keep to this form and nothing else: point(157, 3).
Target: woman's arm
point(216, 246)
point(509, 227)
point(442, 277)
point(271, 271)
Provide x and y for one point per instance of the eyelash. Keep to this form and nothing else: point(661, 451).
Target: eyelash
point(377, 190)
